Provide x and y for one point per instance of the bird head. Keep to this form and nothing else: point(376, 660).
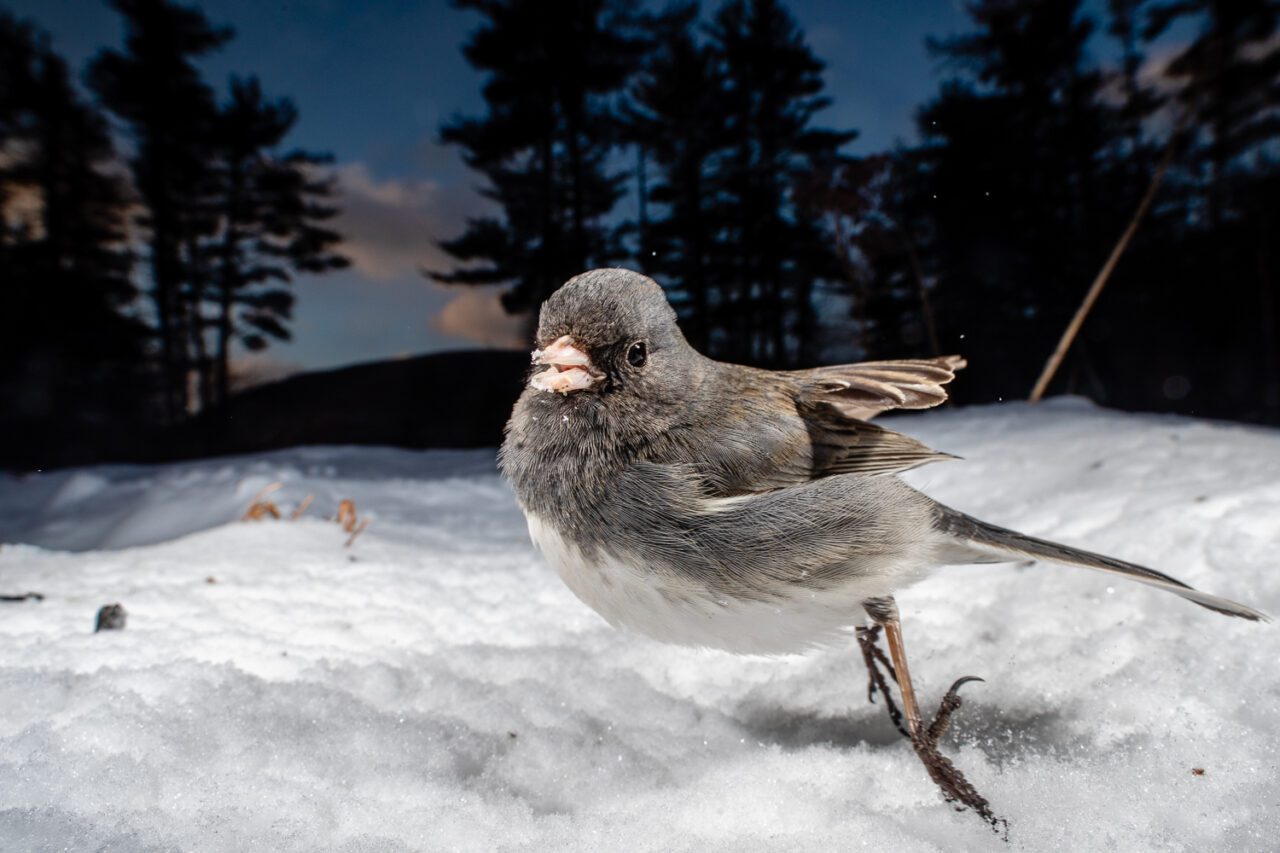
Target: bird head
point(608, 331)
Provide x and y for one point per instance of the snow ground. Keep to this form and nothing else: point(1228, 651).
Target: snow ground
point(435, 687)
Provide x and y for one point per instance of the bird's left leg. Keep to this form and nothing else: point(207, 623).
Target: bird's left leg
point(955, 787)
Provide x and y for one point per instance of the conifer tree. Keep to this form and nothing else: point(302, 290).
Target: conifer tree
point(69, 356)
point(270, 208)
point(154, 87)
point(727, 122)
point(1228, 81)
point(1227, 84)
point(676, 118)
point(773, 90)
point(544, 145)
point(1012, 154)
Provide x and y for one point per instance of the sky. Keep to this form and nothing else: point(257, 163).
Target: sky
point(373, 81)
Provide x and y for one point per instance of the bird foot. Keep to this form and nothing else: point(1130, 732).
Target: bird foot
point(955, 787)
point(875, 658)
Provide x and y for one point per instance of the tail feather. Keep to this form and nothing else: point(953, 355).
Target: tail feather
point(990, 538)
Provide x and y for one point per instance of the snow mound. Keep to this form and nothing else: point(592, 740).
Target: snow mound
point(434, 686)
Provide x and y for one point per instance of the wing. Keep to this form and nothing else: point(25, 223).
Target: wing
point(784, 429)
point(862, 391)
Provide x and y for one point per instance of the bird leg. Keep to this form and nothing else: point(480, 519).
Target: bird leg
point(874, 657)
point(898, 651)
point(955, 787)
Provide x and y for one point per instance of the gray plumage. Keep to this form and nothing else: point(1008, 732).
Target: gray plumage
point(720, 505)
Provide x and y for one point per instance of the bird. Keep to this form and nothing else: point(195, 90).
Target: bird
point(717, 505)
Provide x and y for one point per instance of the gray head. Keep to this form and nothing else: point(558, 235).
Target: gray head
point(610, 332)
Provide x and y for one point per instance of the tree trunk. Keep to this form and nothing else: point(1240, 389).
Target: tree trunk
point(162, 296)
point(228, 276)
point(195, 323)
point(224, 345)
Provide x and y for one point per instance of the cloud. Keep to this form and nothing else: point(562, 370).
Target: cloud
point(251, 369)
point(476, 315)
point(390, 227)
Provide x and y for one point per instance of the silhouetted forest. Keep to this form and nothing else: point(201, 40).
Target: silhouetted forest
point(150, 222)
point(205, 217)
point(1047, 129)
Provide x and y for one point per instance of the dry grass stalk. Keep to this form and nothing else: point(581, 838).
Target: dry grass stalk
point(359, 528)
point(1073, 328)
point(348, 518)
point(301, 508)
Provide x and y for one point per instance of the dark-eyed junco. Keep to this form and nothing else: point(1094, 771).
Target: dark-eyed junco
point(757, 511)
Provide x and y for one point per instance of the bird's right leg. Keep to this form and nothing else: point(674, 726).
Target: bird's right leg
point(884, 612)
point(955, 787)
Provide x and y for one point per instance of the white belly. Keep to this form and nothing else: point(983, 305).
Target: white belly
point(681, 610)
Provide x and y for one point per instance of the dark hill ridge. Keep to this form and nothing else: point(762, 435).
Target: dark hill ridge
point(450, 399)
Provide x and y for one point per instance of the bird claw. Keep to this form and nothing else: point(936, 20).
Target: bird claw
point(950, 702)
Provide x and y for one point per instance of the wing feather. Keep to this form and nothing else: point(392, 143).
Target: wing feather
point(864, 390)
point(841, 445)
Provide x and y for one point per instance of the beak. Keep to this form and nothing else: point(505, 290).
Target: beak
point(570, 368)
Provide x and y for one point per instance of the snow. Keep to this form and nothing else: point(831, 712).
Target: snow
point(435, 687)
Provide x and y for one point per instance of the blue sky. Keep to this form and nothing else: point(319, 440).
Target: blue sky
point(374, 80)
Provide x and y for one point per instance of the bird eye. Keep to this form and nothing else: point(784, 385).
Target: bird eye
point(637, 354)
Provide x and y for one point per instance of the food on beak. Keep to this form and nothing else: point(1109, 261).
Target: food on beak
point(571, 368)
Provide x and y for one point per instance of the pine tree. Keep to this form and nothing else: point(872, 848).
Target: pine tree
point(1012, 156)
point(1138, 102)
point(156, 90)
point(69, 356)
point(875, 212)
point(1229, 83)
point(544, 146)
point(772, 91)
point(675, 117)
point(230, 218)
point(270, 209)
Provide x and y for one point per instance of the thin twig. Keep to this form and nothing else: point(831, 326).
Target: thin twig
point(264, 491)
point(26, 596)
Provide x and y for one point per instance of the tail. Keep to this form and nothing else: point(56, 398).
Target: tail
point(986, 538)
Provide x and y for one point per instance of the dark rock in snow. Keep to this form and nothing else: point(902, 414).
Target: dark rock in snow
point(111, 617)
